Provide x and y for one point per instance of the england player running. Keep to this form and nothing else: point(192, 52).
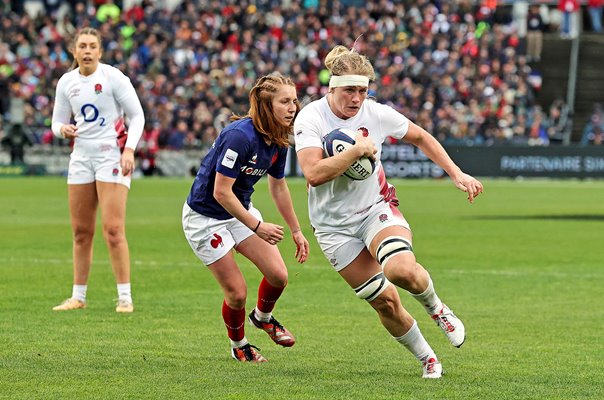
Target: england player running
point(361, 232)
point(218, 215)
point(100, 167)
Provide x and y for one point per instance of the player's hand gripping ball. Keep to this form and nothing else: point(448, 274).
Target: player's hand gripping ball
point(340, 140)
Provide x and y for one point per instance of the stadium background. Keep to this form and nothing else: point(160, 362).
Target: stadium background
point(521, 265)
point(462, 69)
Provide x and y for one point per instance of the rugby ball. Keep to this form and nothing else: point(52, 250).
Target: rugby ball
point(340, 140)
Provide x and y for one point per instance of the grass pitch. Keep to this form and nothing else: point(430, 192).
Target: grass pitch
point(522, 267)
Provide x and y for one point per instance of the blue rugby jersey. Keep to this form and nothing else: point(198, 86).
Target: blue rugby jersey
point(239, 152)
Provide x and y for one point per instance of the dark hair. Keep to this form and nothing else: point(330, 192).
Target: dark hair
point(83, 31)
point(261, 109)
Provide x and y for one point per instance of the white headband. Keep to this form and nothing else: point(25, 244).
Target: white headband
point(348, 80)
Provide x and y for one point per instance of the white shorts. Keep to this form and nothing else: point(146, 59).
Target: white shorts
point(342, 246)
point(210, 238)
point(102, 165)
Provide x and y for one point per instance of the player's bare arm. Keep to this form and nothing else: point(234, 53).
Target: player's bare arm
point(282, 199)
point(435, 151)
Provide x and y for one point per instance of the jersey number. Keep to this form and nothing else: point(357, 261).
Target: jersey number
point(91, 114)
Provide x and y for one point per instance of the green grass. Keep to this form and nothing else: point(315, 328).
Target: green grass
point(522, 267)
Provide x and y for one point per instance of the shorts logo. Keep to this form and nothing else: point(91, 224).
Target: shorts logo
point(217, 241)
point(383, 218)
point(333, 262)
point(229, 158)
point(115, 171)
point(98, 89)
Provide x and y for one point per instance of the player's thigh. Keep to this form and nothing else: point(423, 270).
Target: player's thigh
point(360, 270)
point(112, 201)
point(231, 280)
point(83, 203)
point(266, 257)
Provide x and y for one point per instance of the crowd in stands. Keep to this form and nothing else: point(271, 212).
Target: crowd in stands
point(456, 68)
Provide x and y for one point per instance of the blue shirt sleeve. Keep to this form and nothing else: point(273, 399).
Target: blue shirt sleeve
point(233, 153)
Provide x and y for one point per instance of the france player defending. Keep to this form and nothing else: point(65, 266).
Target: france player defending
point(100, 167)
point(362, 233)
point(218, 215)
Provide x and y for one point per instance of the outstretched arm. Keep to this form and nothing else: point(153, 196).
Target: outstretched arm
point(435, 152)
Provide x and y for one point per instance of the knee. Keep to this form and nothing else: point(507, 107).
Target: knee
point(236, 298)
point(278, 277)
point(114, 235)
point(279, 280)
point(82, 236)
point(402, 272)
point(387, 304)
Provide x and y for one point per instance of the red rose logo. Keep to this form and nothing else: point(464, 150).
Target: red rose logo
point(98, 88)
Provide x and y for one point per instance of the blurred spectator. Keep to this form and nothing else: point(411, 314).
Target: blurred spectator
point(108, 10)
point(535, 28)
point(15, 141)
point(594, 7)
point(557, 121)
point(569, 9)
point(546, 17)
point(593, 133)
point(176, 141)
point(538, 128)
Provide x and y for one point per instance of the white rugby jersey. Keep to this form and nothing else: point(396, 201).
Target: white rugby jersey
point(97, 103)
point(343, 201)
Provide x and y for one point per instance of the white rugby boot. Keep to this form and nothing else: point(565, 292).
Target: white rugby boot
point(433, 369)
point(451, 326)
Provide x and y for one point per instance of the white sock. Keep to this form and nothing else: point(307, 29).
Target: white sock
point(124, 292)
point(238, 343)
point(429, 299)
point(262, 316)
point(79, 292)
point(414, 341)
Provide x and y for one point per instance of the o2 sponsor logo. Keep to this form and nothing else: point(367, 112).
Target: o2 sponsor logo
point(91, 114)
